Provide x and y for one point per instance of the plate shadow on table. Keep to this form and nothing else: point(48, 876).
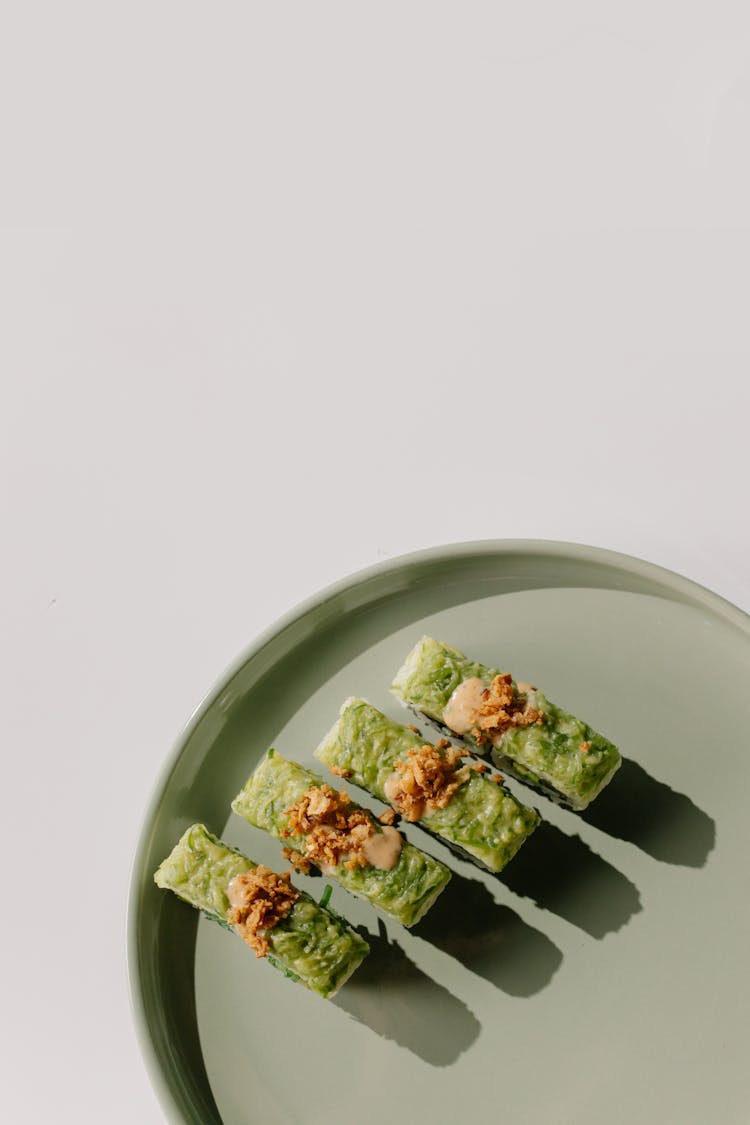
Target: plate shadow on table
point(490, 939)
point(562, 874)
point(657, 819)
point(398, 1001)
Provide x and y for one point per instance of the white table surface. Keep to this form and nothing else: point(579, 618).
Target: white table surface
point(290, 289)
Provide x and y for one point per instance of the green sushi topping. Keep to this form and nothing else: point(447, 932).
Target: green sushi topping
point(542, 745)
point(480, 817)
point(310, 945)
point(406, 890)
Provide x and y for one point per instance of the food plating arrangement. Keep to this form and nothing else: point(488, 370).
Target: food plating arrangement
point(449, 790)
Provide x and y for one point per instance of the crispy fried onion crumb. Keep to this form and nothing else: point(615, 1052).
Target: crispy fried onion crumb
point(341, 771)
point(426, 779)
point(501, 709)
point(298, 861)
point(334, 830)
point(387, 816)
point(259, 899)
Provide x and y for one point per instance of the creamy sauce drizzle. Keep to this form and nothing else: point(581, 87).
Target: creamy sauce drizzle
point(390, 787)
point(235, 893)
point(462, 710)
point(382, 849)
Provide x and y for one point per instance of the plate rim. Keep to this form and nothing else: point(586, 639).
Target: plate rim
point(693, 592)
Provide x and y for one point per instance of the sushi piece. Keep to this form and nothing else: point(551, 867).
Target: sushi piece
point(528, 736)
point(295, 934)
point(324, 828)
point(431, 785)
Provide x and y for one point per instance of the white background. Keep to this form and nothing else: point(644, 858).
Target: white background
point(288, 289)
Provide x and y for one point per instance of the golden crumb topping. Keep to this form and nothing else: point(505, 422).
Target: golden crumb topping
point(426, 779)
point(340, 771)
point(502, 708)
point(298, 861)
point(259, 899)
point(333, 828)
point(387, 816)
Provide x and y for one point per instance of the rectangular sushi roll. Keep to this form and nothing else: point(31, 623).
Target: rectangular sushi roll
point(327, 829)
point(476, 816)
point(529, 737)
point(297, 935)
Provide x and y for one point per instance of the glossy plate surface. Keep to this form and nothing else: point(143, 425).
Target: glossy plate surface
point(601, 978)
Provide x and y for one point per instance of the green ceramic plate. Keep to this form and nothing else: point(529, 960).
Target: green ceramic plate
point(601, 979)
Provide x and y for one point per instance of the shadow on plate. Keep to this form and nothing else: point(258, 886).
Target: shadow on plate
point(400, 1002)
point(660, 821)
point(562, 874)
point(490, 939)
